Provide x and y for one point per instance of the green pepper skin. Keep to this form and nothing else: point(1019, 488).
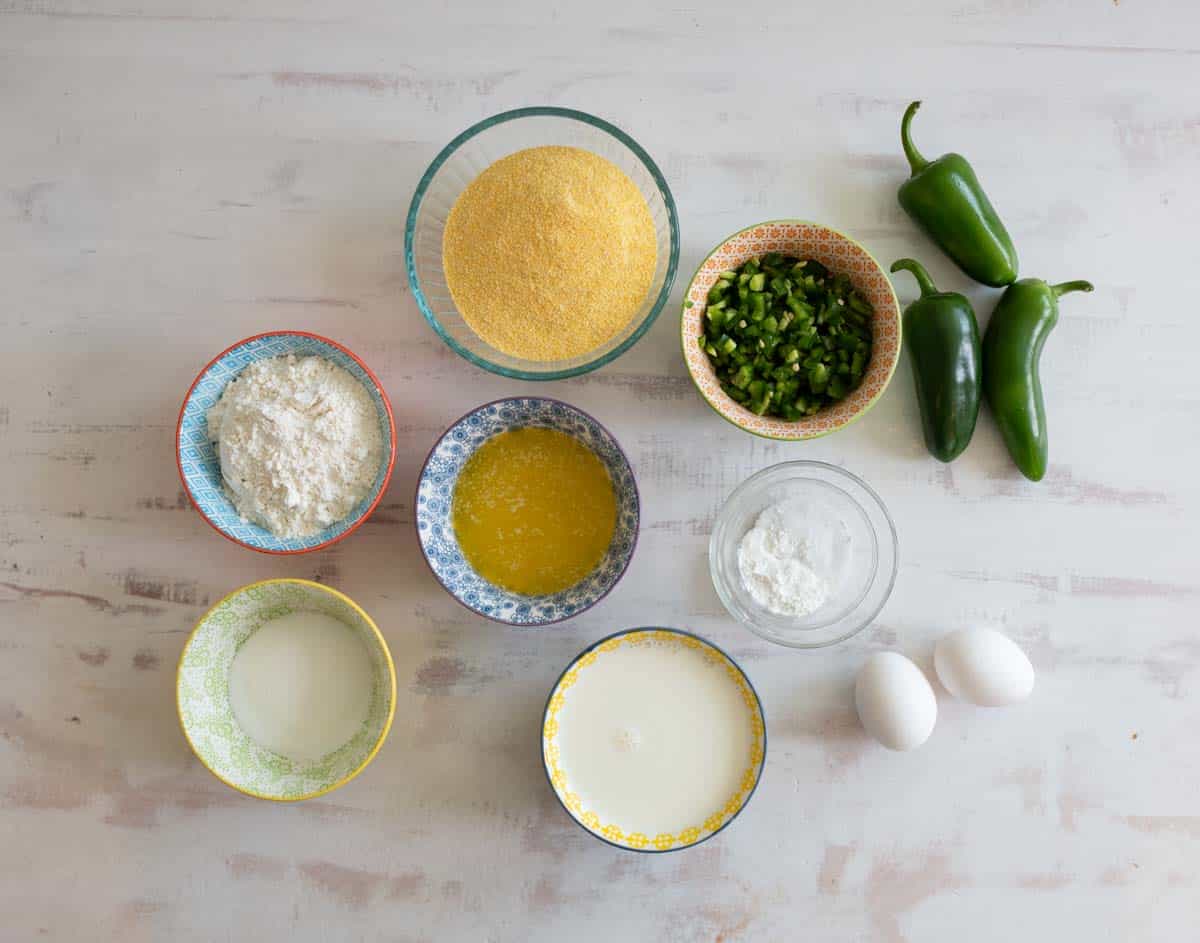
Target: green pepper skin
point(1012, 349)
point(942, 338)
point(945, 199)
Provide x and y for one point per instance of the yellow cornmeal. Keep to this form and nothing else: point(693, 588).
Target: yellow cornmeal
point(549, 252)
point(534, 510)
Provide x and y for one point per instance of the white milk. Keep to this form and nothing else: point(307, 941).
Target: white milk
point(654, 738)
point(301, 685)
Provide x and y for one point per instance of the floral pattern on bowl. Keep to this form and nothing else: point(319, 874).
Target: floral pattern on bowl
point(612, 832)
point(200, 469)
point(435, 492)
point(207, 718)
point(838, 253)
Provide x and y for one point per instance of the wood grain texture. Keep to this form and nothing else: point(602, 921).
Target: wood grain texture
point(175, 176)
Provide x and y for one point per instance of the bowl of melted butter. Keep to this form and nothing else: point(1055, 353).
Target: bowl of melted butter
point(527, 511)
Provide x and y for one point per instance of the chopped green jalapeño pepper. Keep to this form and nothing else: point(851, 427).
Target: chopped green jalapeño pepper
point(786, 336)
point(945, 199)
point(942, 339)
point(1012, 349)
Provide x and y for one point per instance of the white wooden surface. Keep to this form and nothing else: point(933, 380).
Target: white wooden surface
point(175, 176)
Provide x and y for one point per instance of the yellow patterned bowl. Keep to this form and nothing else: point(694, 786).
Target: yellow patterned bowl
point(208, 721)
point(840, 254)
point(650, 711)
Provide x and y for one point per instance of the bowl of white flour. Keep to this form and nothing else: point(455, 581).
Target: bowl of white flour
point(803, 554)
point(286, 442)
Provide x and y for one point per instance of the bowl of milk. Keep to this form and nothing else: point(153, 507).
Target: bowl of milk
point(285, 690)
point(653, 739)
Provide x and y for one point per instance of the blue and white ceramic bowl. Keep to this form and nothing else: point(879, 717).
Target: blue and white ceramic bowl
point(200, 470)
point(435, 491)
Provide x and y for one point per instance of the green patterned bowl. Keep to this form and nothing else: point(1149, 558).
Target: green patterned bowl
point(207, 719)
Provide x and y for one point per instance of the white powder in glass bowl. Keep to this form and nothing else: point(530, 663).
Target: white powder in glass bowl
point(794, 557)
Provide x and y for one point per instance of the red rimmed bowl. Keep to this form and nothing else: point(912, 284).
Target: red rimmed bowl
point(200, 469)
point(838, 253)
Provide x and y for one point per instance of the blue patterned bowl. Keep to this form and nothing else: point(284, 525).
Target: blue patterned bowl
point(435, 490)
point(200, 469)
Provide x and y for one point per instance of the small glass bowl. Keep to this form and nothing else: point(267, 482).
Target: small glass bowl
point(472, 152)
point(869, 552)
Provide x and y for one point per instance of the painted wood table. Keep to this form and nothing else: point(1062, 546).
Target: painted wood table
point(175, 176)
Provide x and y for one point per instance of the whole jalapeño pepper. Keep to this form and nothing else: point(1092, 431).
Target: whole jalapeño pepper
point(945, 199)
point(1012, 348)
point(942, 338)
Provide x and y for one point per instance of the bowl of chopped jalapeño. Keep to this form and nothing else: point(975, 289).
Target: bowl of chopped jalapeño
point(791, 330)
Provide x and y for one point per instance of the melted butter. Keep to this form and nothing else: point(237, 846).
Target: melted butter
point(534, 510)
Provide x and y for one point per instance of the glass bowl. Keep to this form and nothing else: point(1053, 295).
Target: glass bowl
point(461, 161)
point(866, 552)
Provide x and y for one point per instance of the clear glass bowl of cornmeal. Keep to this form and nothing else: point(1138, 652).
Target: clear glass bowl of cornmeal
point(541, 243)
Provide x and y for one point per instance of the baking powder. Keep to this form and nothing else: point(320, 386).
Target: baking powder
point(785, 559)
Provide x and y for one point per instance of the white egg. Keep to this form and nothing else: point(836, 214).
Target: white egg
point(895, 702)
point(983, 667)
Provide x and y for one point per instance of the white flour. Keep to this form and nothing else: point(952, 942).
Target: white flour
point(788, 558)
point(299, 443)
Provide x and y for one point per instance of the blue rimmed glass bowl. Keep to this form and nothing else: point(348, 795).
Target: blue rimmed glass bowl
point(461, 161)
point(435, 493)
point(200, 469)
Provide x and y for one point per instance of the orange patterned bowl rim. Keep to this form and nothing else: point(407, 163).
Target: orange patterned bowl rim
point(840, 254)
